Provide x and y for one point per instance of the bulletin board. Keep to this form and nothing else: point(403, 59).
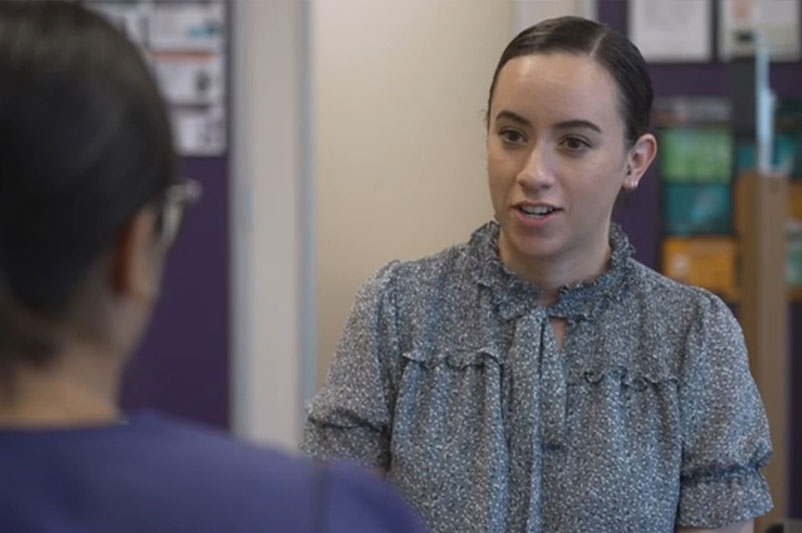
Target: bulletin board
point(666, 34)
point(185, 44)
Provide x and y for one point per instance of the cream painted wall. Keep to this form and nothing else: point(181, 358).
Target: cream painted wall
point(400, 94)
point(528, 12)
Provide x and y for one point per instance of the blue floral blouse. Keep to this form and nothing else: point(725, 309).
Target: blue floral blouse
point(448, 377)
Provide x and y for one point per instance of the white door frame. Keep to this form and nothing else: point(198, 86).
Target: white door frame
point(272, 311)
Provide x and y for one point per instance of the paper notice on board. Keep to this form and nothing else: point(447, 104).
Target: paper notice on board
point(190, 78)
point(200, 131)
point(187, 26)
point(777, 21)
point(671, 30)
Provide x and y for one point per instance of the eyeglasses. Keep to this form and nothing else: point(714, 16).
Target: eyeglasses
point(176, 199)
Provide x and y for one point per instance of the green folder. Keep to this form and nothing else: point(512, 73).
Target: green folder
point(696, 155)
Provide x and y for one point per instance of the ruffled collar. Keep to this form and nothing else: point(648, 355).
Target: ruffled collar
point(515, 297)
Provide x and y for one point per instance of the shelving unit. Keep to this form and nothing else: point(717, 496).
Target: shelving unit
point(740, 254)
point(760, 208)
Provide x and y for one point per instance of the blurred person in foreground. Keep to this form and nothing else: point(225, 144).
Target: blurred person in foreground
point(89, 204)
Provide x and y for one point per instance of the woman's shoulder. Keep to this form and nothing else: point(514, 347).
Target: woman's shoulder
point(673, 298)
point(449, 266)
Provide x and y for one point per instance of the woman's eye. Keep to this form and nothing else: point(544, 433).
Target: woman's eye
point(576, 144)
point(512, 137)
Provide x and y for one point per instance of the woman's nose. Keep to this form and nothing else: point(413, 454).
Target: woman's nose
point(537, 172)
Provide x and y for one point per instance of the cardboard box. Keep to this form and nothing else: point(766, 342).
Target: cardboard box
point(707, 262)
point(795, 200)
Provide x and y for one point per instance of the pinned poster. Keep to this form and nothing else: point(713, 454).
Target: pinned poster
point(666, 32)
point(187, 51)
point(185, 45)
point(776, 20)
point(200, 131)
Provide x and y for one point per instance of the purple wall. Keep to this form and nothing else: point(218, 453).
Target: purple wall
point(182, 366)
point(640, 216)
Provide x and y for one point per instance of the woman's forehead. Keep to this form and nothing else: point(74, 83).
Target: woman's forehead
point(557, 84)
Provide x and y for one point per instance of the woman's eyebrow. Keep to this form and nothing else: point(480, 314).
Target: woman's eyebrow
point(515, 117)
point(578, 123)
point(562, 125)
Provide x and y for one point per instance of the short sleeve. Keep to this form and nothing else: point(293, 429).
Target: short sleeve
point(724, 427)
point(350, 416)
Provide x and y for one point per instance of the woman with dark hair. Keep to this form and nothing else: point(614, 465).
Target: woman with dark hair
point(89, 204)
point(537, 377)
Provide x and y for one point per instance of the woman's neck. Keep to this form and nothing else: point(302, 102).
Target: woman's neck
point(78, 387)
point(549, 274)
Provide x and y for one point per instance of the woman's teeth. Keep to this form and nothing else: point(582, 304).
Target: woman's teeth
point(537, 210)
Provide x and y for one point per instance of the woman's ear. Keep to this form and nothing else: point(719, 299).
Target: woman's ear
point(639, 157)
point(134, 269)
